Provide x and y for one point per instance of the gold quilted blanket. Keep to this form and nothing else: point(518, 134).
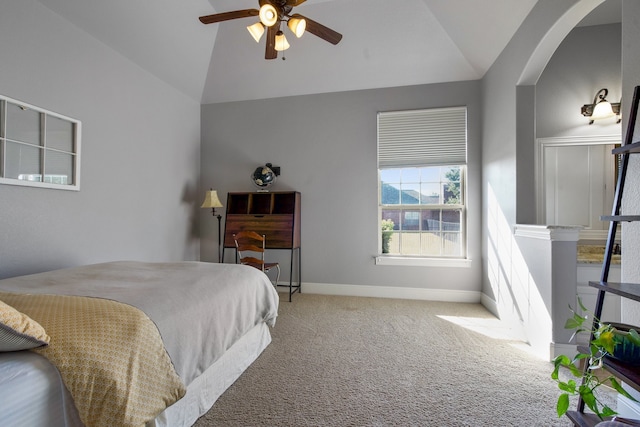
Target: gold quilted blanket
point(110, 355)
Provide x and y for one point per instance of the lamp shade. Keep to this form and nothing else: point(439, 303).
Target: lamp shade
point(602, 110)
point(211, 200)
point(268, 15)
point(256, 30)
point(281, 42)
point(297, 26)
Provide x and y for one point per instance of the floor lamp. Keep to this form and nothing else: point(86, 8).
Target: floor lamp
point(212, 201)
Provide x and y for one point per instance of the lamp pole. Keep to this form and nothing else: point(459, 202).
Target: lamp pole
point(219, 235)
point(212, 201)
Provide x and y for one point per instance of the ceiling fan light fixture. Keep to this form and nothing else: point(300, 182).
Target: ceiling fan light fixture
point(297, 26)
point(272, 14)
point(268, 15)
point(256, 30)
point(281, 42)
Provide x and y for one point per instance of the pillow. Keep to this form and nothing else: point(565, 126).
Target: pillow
point(18, 331)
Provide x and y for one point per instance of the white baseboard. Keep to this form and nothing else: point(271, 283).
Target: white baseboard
point(556, 349)
point(490, 304)
point(550, 352)
point(390, 292)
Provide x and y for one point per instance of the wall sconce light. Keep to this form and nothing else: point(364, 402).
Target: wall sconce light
point(601, 108)
point(212, 201)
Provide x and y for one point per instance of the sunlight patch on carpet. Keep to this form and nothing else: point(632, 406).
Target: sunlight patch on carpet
point(492, 328)
point(496, 329)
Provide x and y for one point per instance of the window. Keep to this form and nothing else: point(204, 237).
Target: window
point(421, 169)
point(38, 148)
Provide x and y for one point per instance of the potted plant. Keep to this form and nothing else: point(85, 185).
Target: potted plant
point(387, 230)
point(607, 340)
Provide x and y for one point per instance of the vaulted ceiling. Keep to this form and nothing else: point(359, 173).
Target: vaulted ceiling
point(385, 43)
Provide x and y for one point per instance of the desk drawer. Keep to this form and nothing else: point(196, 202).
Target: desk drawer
point(278, 229)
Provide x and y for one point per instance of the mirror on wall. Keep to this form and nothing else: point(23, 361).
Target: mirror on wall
point(576, 180)
point(38, 148)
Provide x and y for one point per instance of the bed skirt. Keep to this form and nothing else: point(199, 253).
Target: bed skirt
point(32, 392)
point(208, 387)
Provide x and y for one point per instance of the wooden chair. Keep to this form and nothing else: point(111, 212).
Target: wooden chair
point(251, 247)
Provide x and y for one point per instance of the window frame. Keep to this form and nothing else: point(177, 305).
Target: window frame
point(41, 144)
point(460, 260)
point(429, 207)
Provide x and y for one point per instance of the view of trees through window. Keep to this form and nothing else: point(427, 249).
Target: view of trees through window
point(422, 210)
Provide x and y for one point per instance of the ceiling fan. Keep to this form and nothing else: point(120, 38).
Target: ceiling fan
point(272, 14)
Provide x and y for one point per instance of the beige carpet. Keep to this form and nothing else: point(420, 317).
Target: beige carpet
point(344, 361)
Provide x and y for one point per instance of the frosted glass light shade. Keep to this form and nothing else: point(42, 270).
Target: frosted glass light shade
point(602, 110)
point(297, 26)
point(281, 42)
point(268, 15)
point(256, 30)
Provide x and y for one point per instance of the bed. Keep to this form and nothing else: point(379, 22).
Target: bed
point(131, 343)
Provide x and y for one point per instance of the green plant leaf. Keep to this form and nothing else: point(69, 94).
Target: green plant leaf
point(554, 374)
point(569, 386)
point(606, 341)
point(582, 307)
point(589, 399)
point(607, 412)
point(634, 337)
point(573, 323)
point(563, 404)
point(618, 387)
point(561, 360)
point(575, 371)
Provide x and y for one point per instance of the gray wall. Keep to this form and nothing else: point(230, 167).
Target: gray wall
point(587, 60)
point(140, 152)
point(631, 201)
point(509, 134)
point(326, 147)
point(570, 79)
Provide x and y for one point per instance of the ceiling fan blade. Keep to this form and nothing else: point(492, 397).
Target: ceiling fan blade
point(320, 30)
point(271, 52)
point(226, 16)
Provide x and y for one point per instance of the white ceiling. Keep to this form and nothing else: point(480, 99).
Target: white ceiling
point(385, 43)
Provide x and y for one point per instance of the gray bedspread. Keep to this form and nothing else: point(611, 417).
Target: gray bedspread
point(200, 308)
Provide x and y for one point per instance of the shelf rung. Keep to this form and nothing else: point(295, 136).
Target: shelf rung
point(628, 148)
point(620, 218)
point(582, 419)
point(627, 290)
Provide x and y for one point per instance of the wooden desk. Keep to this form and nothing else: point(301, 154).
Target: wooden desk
point(274, 214)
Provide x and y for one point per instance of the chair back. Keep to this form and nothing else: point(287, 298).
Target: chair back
point(250, 246)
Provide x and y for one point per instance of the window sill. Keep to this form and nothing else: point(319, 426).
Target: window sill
point(406, 261)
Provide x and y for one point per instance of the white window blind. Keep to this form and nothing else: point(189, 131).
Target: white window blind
point(432, 136)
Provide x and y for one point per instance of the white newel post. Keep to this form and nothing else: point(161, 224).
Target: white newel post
point(548, 275)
